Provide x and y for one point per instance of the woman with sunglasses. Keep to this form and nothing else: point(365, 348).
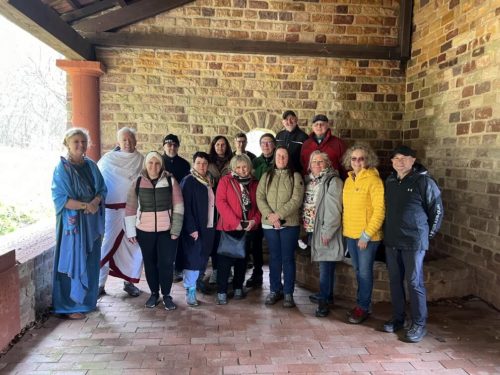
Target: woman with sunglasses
point(364, 211)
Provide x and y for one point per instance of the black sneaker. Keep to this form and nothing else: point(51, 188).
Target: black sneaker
point(239, 294)
point(131, 289)
point(315, 298)
point(416, 333)
point(273, 297)
point(323, 310)
point(221, 299)
point(288, 301)
point(393, 325)
point(168, 303)
point(152, 301)
point(254, 282)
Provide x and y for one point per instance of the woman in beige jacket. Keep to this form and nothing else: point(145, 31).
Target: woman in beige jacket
point(279, 198)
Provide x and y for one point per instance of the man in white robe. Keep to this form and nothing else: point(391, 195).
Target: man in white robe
point(120, 169)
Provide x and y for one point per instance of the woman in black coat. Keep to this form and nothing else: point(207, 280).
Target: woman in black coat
point(198, 229)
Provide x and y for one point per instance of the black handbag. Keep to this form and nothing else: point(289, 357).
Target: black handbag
point(231, 246)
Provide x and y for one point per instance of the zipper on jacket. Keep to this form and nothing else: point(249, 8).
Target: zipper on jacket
point(154, 201)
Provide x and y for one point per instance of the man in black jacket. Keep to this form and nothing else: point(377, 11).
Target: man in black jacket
point(180, 168)
point(414, 212)
point(292, 137)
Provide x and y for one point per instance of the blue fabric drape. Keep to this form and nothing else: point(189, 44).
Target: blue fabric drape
point(78, 236)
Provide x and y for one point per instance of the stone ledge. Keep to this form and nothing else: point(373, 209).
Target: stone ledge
point(444, 278)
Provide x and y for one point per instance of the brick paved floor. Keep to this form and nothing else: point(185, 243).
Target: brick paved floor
point(246, 337)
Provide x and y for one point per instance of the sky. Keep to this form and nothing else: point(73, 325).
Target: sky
point(20, 45)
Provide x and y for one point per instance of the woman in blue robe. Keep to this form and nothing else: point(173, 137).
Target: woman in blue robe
point(78, 191)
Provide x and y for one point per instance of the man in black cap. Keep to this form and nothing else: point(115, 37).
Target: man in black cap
point(413, 215)
point(323, 140)
point(180, 168)
point(292, 137)
point(174, 164)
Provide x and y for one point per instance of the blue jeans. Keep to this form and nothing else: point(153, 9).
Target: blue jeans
point(326, 280)
point(409, 265)
point(362, 261)
point(282, 244)
point(190, 277)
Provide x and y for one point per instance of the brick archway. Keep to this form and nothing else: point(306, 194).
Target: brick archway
point(258, 119)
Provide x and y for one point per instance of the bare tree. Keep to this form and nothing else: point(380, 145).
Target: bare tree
point(33, 104)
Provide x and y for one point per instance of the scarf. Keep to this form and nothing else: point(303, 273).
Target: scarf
point(207, 180)
point(317, 179)
point(245, 194)
point(242, 180)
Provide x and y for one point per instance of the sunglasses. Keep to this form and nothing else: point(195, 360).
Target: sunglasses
point(361, 158)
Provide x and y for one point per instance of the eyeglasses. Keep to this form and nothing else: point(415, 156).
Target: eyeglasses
point(267, 143)
point(361, 158)
point(318, 162)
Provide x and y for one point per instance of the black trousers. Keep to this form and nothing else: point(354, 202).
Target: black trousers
point(254, 248)
point(158, 251)
point(224, 269)
point(213, 254)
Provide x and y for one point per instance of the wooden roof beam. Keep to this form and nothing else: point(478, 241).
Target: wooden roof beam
point(405, 27)
point(88, 10)
point(45, 24)
point(192, 43)
point(127, 15)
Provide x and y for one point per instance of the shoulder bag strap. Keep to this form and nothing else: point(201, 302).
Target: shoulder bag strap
point(238, 194)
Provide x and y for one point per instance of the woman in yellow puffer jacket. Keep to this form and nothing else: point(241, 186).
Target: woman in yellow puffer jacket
point(364, 211)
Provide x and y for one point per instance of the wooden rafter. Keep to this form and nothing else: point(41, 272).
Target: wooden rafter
point(405, 26)
point(88, 10)
point(44, 23)
point(75, 4)
point(130, 14)
point(191, 43)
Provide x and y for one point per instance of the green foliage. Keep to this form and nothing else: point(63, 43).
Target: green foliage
point(11, 218)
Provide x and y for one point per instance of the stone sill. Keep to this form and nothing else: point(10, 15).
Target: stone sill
point(30, 241)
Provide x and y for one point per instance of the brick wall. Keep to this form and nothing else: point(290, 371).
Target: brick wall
point(34, 246)
point(453, 119)
point(372, 22)
point(200, 95)
point(9, 298)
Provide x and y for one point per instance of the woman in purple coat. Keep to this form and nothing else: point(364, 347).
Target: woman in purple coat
point(198, 229)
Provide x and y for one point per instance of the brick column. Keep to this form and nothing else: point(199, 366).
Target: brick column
point(84, 77)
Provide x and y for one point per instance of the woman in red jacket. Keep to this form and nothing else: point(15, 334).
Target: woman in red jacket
point(235, 200)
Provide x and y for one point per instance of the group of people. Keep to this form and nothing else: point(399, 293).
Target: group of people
point(171, 216)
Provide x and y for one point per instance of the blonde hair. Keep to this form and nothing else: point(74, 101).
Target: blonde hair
point(71, 132)
point(148, 157)
point(324, 155)
point(240, 158)
point(371, 159)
